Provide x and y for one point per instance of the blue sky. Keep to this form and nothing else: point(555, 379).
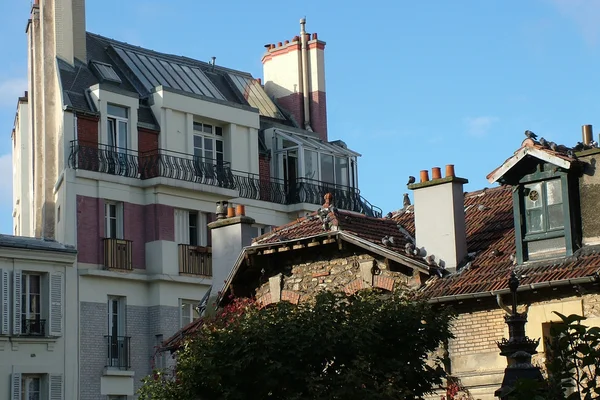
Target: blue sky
point(410, 85)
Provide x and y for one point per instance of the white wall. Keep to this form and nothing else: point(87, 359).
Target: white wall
point(22, 173)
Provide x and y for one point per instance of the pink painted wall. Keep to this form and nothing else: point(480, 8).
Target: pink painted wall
point(90, 229)
point(160, 222)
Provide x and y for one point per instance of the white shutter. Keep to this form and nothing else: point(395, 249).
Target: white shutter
point(120, 221)
point(17, 278)
point(202, 229)
point(182, 227)
point(4, 303)
point(15, 387)
point(56, 304)
point(55, 383)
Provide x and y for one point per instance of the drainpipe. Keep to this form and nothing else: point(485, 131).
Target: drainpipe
point(305, 75)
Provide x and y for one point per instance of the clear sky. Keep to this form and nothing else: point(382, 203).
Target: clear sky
point(410, 84)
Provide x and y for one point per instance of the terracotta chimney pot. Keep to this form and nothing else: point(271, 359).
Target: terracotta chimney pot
point(449, 170)
point(436, 173)
point(240, 210)
point(314, 36)
point(286, 42)
point(424, 175)
point(230, 212)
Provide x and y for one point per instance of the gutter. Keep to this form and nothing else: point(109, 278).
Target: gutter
point(523, 288)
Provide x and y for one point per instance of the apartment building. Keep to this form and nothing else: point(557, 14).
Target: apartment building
point(123, 152)
point(38, 323)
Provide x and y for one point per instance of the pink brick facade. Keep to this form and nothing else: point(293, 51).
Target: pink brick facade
point(160, 222)
point(294, 104)
point(141, 224)
point(318, 113)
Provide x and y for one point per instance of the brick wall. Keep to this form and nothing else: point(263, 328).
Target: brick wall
point(264, 173)
point(87, 129)
point(142, 342)
point(318, 113)
point(147, 140)
point(478, 332)
point(90, 229)
point(160, 222)
point(294, 104)
point(134, 229)
point(93, 349)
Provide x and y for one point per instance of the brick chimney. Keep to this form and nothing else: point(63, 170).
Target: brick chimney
point(440, 217)
point(231, 232)
point(294, 74)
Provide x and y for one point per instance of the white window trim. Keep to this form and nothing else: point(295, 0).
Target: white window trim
point(116, 120)
point(101, 98)
point(119, 218)
point(186, 302)
point(182, 227)
point(213, 136)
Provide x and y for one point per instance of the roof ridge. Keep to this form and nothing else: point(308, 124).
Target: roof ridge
point(179, 58)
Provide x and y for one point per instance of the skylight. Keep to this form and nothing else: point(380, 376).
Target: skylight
point(105, 71)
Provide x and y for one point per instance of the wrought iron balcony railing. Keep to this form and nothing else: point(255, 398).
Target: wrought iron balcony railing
point(186, 167)
point(195, 260)
point(118, 352)
point(117, 254)
point(33, 327)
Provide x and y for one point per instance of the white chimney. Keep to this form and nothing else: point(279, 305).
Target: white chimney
point(440, 217)
point(231, 232)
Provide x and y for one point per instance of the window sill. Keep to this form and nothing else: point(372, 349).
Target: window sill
point(118, 372)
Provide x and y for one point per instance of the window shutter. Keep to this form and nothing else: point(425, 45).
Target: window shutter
point(120, 222)
point(17, 278)
point(15, 387)
point(56, 387)
point(182, 227)
point(4, 303)
point(202, 229)
point(56, 304)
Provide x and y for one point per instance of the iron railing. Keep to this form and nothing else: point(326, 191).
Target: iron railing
point(195, 260)
point(117, 254)
point(118, 352)
point(33, 327)
point(186, 167)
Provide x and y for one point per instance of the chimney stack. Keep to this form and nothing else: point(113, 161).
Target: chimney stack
point(294, 74)
point(587, 134)
point(440, 217)
point(231, 232)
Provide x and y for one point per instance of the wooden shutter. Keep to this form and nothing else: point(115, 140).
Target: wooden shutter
point(55, 383)
point(15, 387)
point(182, 227)
point(56, 304)
point(4, 303)
point(17, 278)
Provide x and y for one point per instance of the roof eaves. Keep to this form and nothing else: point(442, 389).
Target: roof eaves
point(519, 155)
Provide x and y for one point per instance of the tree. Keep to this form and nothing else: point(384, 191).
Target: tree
point(367, 347)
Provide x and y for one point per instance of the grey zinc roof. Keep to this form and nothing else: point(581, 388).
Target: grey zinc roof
point(23, 242)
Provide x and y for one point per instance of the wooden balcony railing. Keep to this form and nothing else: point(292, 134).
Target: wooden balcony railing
point(117, 254)
point(195, 260)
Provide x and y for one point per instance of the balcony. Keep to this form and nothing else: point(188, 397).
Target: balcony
point(33, 327)
point(118, 352)
point(186, 167)
point(117, 254)
point(195, 260)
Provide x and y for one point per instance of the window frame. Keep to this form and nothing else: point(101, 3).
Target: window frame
point(26, 300)
point(192, 308)
point(25, 378)
point(215, 136)
point(114, 121)
point(118, 217)
point(544, 172)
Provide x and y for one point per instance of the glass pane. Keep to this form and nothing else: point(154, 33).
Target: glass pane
point(341, 171)
point(116, 111)
point(218, 131)
point(208, 144)
point(195, 314)
point(207, 128)
point(556, 218)
point(198, 152)
point(219, 145)
point(185, 312)
point(208, 155)
point(535, 220)
point(554, 192)
point(533, 196)
point(198, 126)
point(111, 132)
point(198, 141)
point(220, 158)
point(327, 168)
point(34, 284)
point(122, 134)
point(311, 164)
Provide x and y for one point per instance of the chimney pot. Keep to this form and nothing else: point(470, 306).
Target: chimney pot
point(259, 80)
point(240, 210)
point(279, 44)
point(230, 211)
point(436, 173)
point(296, 38)
point(314, 36)
point(587, 134)
point(221, 209)
point(449, 170)
point(286, 42)
point(424, 175)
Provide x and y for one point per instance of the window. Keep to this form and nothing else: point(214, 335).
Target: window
point(118, 343)
point(208, 143)
point(31, 389)
point(113, 220)
point(31, 307)
point(260, 230)
point(36, 386)
point(191, 227)
point(117, 121)
point(189, 312)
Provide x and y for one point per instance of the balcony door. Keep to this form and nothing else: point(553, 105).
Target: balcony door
point(117, 350)
point(117, 130)
point(288, 169)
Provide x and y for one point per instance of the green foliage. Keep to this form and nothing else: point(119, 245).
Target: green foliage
point(572, 365)
point(363, 347)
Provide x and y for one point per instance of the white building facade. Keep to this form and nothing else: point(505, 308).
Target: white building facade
point(123, 153)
